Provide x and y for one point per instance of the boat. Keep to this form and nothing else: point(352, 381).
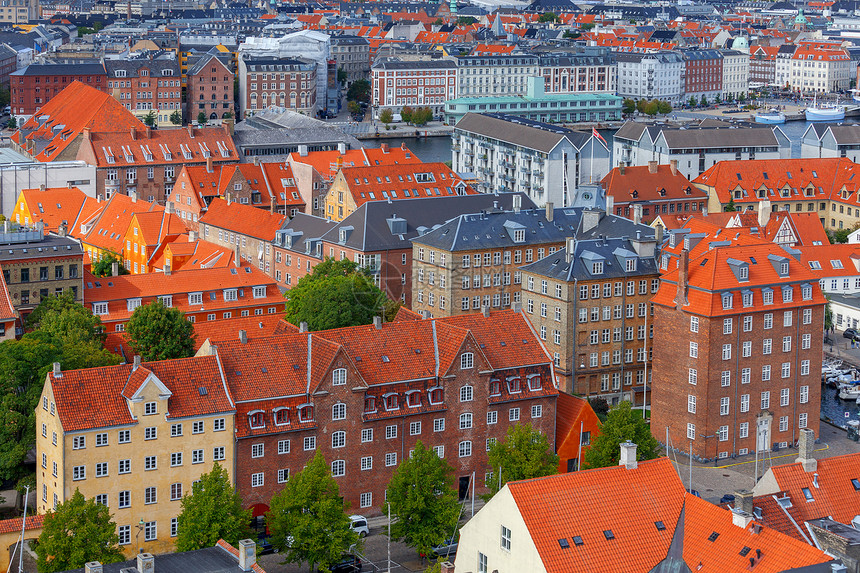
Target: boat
point(824, 112)
point(855, 95)
point(772, 116)
point(849, 391)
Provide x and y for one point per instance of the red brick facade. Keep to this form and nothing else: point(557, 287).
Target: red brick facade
point(33, 87)
point(210, 91)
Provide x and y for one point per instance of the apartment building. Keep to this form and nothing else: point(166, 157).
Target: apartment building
point(740, 323)
point(510, 154)
point(363, 396)
point(414, 83)
point(247, 230)
point(352, 54)
point(145, 82)
point(593, 70)
point(589, 304)
point(20, 11)
point(70, 205)
point(282, 82)
point(34, 86)
point(36, 265)
point(495, 75)
point(134, 437)
point(147, 234)
point(654, 75)
point(815, 69)
point(763, 64)
point(644, 192)
point(703, 73)
point(210, 88)
point(736, 74)
point(297, 248)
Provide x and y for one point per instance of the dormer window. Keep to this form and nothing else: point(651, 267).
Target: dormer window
point(495, 388)
point(369, 405)
point(747, 299)
point(413, 399)
point(306, 413)
point(597, 268)
point(630, 265)
point(100, 308)
point(727, 301)
point(230, 294)
point(783, 269)
point(257, 419)
point(259, 292)
point(195, 298)
point(806, 292)
point(787, 294)
point(391, 402)
point(132, 304)
point(514, 385)
point(744, 273)
point(534, 383)
point(520, 236)
point(282, 416)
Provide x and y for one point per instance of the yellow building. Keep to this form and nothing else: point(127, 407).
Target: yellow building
point(134, 437)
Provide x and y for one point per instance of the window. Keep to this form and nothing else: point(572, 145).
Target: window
point(801, 420)
point(694, 324)
point(747, 323)
point(310, 443)
point(467, 360)
point(691, 403)
point(783, 423)
point(338, 412)
point(218, 425)
point(150, 495)
point(727, 351)
point(79, 442)
point(150, 531)
point(390, 459)
point(150, 433)
point(804, 394)
point(124, 499)
point(150, 408)
point(338, 439)
point(439, 425)
point(366, 435)
point(723, 433)
point(694, 350)
point(197, 427)
point(465, 449)
point(338, 468)
point(513, 414)
point(257, 450)
point(466, 393)
point(79, 473)
point(175, 430)
point(744, 430)
point(124, 534)
point(124, 436)
point(727, 326)
point(150, 463)
point(784, 396)
point(366, 499)
point(218, 453)
point(338, 377)
point(692, 376)
point(691, 431)
point(414, 428)
point(465, 421)
point(724, 406)
point(196, 456)
point(175, 491)
point(101, 439)
point(746, 349)
point(283, 475)
point(174, 526)
point(506, 538)
point(175, 459)
point(257, 479)
point(726, 378)
point(765, 400)
point(537, 411)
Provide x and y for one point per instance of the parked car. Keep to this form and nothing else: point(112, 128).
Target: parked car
point(359, 117)
point(851, 334)
point(348, 564)
point(358, 523)
point(447, 548)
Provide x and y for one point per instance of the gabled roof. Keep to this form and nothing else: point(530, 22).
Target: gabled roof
point(243, 219)
point(156, 227)
point(140, 147)
point(7, 309)
point(108, 227)
point(57, 205)
point(328, 163)
point(838, 260)
point(379, 183)
point(640, 184)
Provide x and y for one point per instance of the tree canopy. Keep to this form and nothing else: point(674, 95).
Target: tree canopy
point(622, 424)
point(78, 531)
point(104, 266)
point(359, 90)
point(386, 116)
point(150, 119)
point(422, 497)
point(548, 17)
point(176, 117)
point(336, 294)
point(212, 511)
point(307, 520)
point(524, 453)
point(158, 332)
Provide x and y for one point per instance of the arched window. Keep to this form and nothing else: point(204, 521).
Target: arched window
point(466, 393)
point(534, 382)
point(338, 439)
point(257, 419)
point(338, 377)
point(338, 468)
point(370, 404)
point(495, 388)
point(391, 402)
point(282, 416)
point(338, 412)
point(306, 413)
point(413, 399)
point(467, 360)
point(436, 396)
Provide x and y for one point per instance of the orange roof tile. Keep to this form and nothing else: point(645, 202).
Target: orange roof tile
point(572, 413)
point(7, 309)
point(639, 184)
point(378, 183)
point(106, 229)
point(328, 163)
point(243, 219)
point(14, 525)
point(254, 326)
point(57, 205)
point(167, 146)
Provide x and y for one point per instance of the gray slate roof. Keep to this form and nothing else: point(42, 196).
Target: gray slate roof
point(719, 137)
point(391, 64)
point(208, 560)
point(612, 252)
point(531, 134)
point(303, 227)
point(383, 225)
point(48, 247)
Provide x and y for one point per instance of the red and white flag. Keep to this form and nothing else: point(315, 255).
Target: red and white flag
point(597, 135)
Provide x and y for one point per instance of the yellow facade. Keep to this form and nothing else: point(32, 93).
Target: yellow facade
point(338, 202)
point(154, 452)
point(21, 213)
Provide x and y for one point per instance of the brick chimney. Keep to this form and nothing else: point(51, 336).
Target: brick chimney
point(637, 213)
point(145, 562)
point(805, 447)
point(652, 167)
point(149, 132)
point(247, 553)
point(446, 567)
point(93, 567)
point(673, 166)
point(272, 205)
point(190, 131)
point(377, 322)
point(683, 273)
point(744, 500)
point(384, 147)
point(243, 336)
point(209, 168)
point(621, 168)
point(86, 133)
point(133, 132)
point(763, 213)
point(114, 269)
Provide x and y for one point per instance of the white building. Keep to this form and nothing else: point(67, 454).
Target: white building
point(822, 71)
point(658, 75)
point(830, 140)
point(306, 44)
point(18, 172)
point(503, 75)
point(414, 83)
point(736, 74)
point(782, 68)
point(510, 154)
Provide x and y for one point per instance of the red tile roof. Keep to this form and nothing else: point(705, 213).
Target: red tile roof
point(56, 205)
point(243, 219)
point(261, 326)
point(106, 229)
point(7, 309)
point(378, 183)
point(93, 398)
point(839, 260)
point(573, 413)
point(639, 184)
point(256, 568)
point(328, 163)
point(14, 524)
point(159, 147)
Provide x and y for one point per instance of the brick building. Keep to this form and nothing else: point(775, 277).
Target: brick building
point(145, 82)
point(372, 391)
point(34, 86)
point(739, 322)
point(589, 304)
point(282, 82)
point(297, 248)
point(426, 83)
point(210, 88)
point(643, 192)
point(703, 73)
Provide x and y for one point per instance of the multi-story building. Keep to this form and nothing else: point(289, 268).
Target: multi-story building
point(655, 75)
point(703, 73)
point(643, 192)
point(146, 82)
point(8, 315)
point(546, 162)
point(247, 230)
point(740, 325)
point(282, 82)
point(210, 88)
point(589, 304)
point(763, 65)
point(414, 83)
point(34, 86)
point(297, 248)
point(830, 140)
point(472, 261)
point(71, 206)
point(363, 396)
point(352, 54)
point(36, 265)
point(20, 11)
point(784, 63)
point(815, 69)
point(192, 47)
point(539, 106)
point(134, 437)
point(496, 75)
point(589, 71)
point(736, 74)
point(147, 234)
point(8, 63)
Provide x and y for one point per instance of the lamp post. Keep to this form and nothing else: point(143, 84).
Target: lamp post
point(140, 527)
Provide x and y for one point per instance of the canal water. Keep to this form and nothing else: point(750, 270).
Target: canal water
point(837, 411)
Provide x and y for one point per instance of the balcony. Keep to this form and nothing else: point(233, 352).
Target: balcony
point(456, 147)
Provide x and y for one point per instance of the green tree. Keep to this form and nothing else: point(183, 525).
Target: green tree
point(359, 91)
point(828, 315)
point(548, 17)
point(386, 116)
point(651, 108)
point(422, 497)
point(201, 119)
point(12, 123)
point(422, 116)
point(622, 424)
point(212, 511)
point(629, 105)
point(587, 26)
point(524, 453)
point(341, 75)
point(692, 101)
point(158, 332)
point(336, 294)
point(150, 119)
point(641, 105)
point(307, 519)
point(176, 117)
point(353, 107)
point(466, 21)
point(730, 206)
point(838, 235)
point(77, 531)
point(406, 114)
point(704, 100)
point(600, 407)
point(104, 266)
point(664, 107)
point(742, 97)
point(439, 22)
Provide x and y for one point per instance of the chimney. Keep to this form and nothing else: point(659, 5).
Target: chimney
point(741, 518)
point(637, 213)
point(763, 213)
point(683, 271)
point(190, 131)
point(243, 337)
point(229, 198)
point(384, 147)
point(610, 204)
point(57, 372)
point(377, 322)
point(621, 168)
point(62, 230)
point(517, 202)
point(815, 480)
point(652, 167)
point(303, 327)
point(133, 133)
point(136, 363)
point(247, 552)
point(149, 132)
point(256, 160)
point(272, 205)
point(805, 447)
point(93, 567)
point(446, 567)
point(590, 219)
point(167, 269)
point(168, 208)
point(628, 455)
point(485, 310)
point(209, 164)
point(114, 269)
point(341, 147)
point(569, 248)
point(339, 163)
point(42, 187)
point(744, 500)
point(673, 166)
point(145, 563)
point(550, 209)
point(303, 150)
point(658, 234)
point(192, 236)
point(228, 125)
point(133, 196)
point(705, 209)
